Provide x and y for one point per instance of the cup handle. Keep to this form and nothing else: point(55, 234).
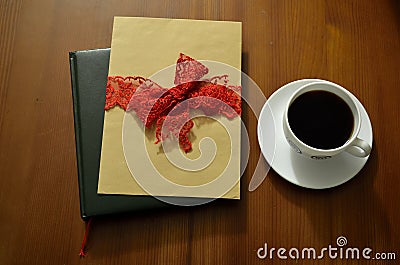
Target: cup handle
point(359, 148)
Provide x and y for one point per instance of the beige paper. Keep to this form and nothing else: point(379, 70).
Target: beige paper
point(142, 47)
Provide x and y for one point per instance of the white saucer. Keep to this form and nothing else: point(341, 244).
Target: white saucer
point(294, 167)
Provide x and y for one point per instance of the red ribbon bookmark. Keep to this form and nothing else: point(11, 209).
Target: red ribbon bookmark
point(82, 252)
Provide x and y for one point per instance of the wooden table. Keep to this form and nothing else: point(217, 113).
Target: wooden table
point(353, 43)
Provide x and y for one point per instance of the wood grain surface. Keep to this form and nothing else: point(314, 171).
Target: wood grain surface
point(352, 42)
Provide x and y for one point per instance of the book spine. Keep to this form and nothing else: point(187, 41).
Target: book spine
point(77, 122)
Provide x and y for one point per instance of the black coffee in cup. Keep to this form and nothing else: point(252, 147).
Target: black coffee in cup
point(321, 119)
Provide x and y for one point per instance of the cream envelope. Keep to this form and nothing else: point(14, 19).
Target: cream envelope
point(142, 47)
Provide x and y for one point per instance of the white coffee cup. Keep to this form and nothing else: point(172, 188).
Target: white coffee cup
point(353, 145)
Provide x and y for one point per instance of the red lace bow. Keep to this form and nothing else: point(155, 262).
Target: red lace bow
point(153, 103)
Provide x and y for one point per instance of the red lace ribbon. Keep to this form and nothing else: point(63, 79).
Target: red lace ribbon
point(120, 89)
point(153, 103)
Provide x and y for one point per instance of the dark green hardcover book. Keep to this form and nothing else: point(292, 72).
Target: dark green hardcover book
point(89, 71)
